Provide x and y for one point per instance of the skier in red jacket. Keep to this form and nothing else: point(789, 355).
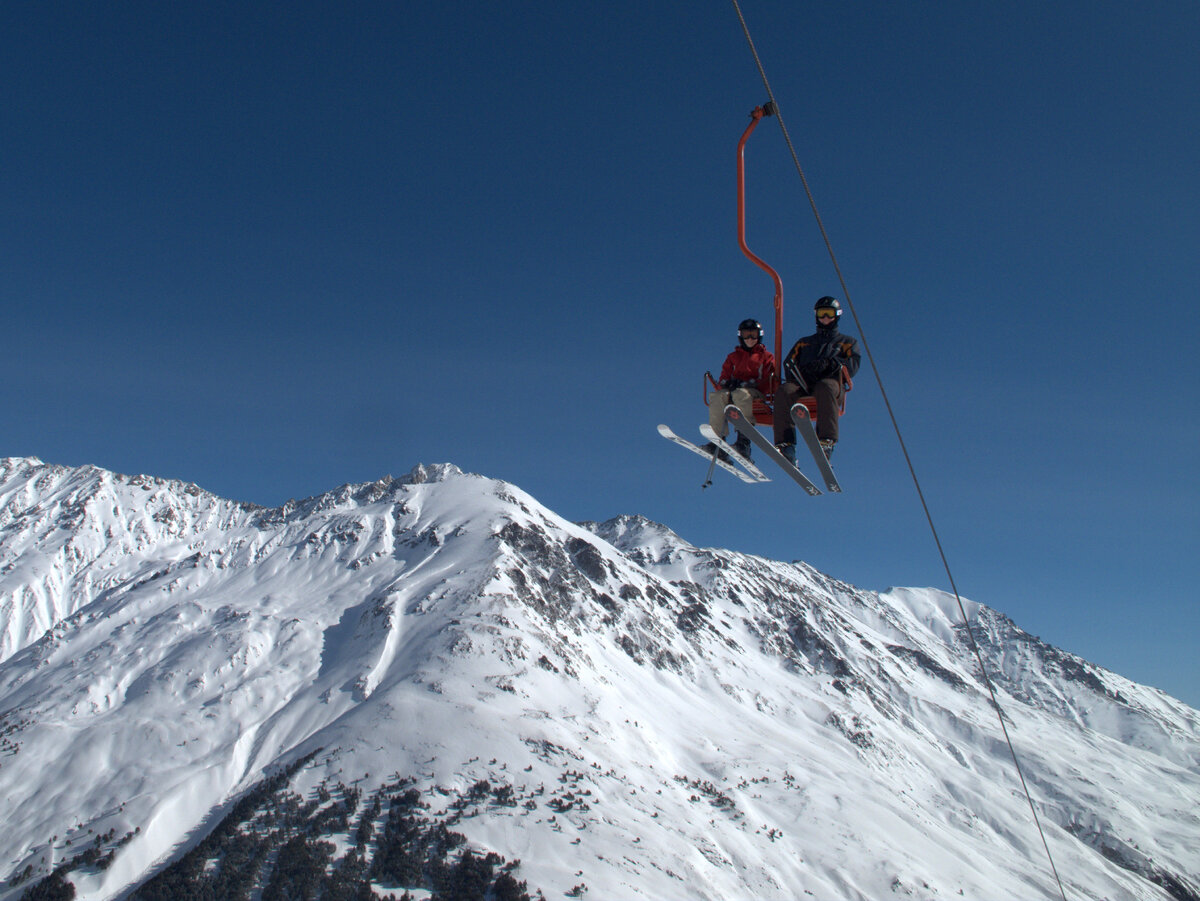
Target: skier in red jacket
point(748, 374)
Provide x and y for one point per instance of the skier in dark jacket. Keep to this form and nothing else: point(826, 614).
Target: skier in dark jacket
point(814, 367)
point(747, 375)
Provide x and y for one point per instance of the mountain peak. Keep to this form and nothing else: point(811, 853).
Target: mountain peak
point(436, 472)
point(604, 701)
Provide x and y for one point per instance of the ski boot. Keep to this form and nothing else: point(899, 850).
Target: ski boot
point(742, 446)
point(788, 450)
point(827, 446)
point(711, 449)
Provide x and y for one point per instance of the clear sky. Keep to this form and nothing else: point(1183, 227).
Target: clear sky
point(275, 248)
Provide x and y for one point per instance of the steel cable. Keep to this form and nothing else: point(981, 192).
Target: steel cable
point(903, 447)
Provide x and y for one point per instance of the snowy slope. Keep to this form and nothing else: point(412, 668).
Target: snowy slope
point(671, 722)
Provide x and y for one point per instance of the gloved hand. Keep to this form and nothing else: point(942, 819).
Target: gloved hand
point(822, 369)
point(793, 374)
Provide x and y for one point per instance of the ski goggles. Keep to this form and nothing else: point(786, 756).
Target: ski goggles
point(827, 311)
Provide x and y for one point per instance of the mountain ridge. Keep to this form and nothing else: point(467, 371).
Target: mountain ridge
point(420, 626)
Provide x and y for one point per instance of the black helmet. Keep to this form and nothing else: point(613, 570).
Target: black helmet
point(746, 324)
point(829, 303)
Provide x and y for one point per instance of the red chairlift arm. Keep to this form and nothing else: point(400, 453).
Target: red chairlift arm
point(755, 116)
point(762, 409)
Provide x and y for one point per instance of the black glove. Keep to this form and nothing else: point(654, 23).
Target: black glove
point(793, 375)
point(732, 384)
point(822, 369)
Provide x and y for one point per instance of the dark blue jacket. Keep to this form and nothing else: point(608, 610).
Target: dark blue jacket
point(821, 355)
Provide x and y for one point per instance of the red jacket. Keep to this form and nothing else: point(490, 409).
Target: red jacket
point(754, 368)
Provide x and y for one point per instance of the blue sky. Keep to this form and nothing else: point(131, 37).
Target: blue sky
point(273, 249)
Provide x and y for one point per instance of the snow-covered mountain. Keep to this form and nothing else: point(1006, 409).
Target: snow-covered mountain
point(391, 681)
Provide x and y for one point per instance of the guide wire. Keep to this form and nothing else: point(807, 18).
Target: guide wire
point(903, 447)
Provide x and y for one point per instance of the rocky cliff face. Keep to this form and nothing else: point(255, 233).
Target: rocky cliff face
point(398, 679)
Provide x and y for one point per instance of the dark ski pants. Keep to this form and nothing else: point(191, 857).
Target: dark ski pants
point(828, 393)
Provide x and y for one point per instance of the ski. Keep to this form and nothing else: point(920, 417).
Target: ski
point(666, 432)
point(735, 418)
point(707, 431)
point(804, 425)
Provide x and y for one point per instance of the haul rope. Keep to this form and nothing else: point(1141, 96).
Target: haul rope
point(904, 449)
